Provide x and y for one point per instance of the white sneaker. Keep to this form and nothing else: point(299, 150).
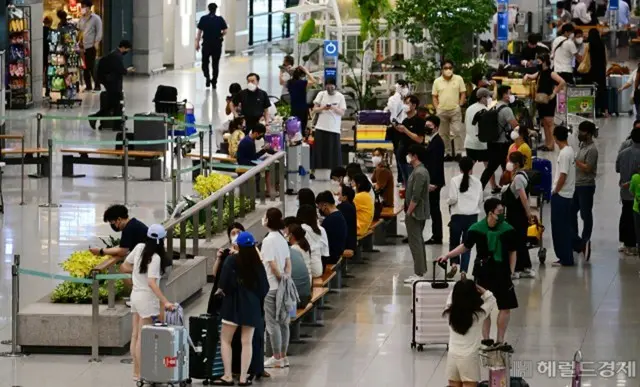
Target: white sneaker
point(272, 362)
point(515, 276)
point(528, 273)
point(412, 279)
point(631, 251)
point(285, 362)
point(621, 249)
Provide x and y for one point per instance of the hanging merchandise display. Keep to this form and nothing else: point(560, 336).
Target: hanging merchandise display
point(19, 57)
point(65, 64)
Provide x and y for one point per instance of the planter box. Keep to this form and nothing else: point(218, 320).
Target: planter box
point(45, 327)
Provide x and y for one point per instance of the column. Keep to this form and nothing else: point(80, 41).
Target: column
point(147, 36)
point(37, 41)
point(235, 12)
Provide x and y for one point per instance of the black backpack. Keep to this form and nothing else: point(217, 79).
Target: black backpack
point(508, 198)
point(488, 126)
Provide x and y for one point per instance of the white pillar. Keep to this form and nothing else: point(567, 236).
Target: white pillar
point(147, 36)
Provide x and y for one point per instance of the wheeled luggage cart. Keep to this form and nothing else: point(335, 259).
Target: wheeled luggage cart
point(576, 105)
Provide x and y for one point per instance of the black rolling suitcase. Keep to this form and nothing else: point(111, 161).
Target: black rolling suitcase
point(130, 137)
point(107, 112)
point(205, 360)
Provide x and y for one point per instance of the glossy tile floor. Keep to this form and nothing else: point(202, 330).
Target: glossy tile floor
point(365, 340)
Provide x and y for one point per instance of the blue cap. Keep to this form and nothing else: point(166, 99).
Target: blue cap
point(245, 239)
point(157, 232)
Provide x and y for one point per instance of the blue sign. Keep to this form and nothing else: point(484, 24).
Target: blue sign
point(331, 48)
point(330, 73)
point(614, 4)
point(503, 27)
point(502, 6)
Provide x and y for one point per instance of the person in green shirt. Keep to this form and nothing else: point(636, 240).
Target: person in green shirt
point(634, 188)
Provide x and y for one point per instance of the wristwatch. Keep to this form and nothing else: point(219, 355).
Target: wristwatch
point(101, 251)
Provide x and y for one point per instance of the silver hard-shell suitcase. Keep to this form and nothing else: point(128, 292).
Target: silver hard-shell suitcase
point(298, 167)
point(429, 302)
point(164, 355)
point(624, 100)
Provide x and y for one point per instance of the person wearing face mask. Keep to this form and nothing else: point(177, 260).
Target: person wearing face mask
point(395, 107)
point(581, 15)
point(330, 106)
point(449, 94)
point(233, 230)
point(499, 149)
point(410, 132)
point(521, 144)
point(246, 153)
point(516, 200)
point(495, 242)
point(382, 178)
point(300, 261)
point(417, 211)
point(564, 186)
point(476, 149)
point(363, 202)
point(211, 30)
point(586, 170)
point(434, 162)
point(307, 215)
point(253, 103)
point(338, 177)
point(549, 84)
point(90, 25)
point(598, 71)
point(346, 207)
point(110, 73)
point(334, 224)
point(578, 40)
point(564, 52)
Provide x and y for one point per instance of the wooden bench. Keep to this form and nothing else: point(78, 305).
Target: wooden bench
point(338, 268)
point(32, 156)
point(310, 312)
point(144, 159)
point(217, 159)
point(325, 279)
point(365, 242)
point(389, 229)
point(347, 255)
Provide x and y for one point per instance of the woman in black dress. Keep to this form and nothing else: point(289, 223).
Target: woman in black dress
point(243, 282)
point(549, 84)
point(598, 71)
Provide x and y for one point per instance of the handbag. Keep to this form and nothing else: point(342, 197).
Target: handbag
point(542, 98)
point(585, 66)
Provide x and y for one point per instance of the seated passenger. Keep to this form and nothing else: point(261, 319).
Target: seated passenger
point(246, 153)
point(316, 236)
point(354, 169)
point(339, 176)
point(348, 210)
point(300, 263)
point(363, 203)
point(335, 226)
point(306, 196)
point(382, 178)
point(236, 134)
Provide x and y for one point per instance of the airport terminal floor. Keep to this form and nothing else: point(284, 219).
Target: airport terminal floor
point(365, 339)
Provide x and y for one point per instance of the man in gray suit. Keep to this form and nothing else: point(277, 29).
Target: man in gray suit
point(416, 209)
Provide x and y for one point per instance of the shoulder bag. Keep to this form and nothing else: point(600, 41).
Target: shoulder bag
point(585, 65)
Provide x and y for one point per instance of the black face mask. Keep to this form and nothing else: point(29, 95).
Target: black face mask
point(114, 227)
point(582, 137)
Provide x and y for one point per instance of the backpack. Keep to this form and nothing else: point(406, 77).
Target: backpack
point(508, 197)
point(488, 125)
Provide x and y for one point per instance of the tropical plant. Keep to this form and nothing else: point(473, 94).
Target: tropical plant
point(205, 186)
point(110, 241)
point(370, 13)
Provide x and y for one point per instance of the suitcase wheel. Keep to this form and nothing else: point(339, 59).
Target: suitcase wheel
point(420, 348)
point(139, 383)
point(413, 345)
point(542, 254)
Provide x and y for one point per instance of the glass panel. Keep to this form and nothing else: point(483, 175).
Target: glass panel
point(278, 27)
point(260, 29)
point(277, 5)
point(260, 6)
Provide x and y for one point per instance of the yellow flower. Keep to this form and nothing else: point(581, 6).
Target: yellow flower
point(205, 186)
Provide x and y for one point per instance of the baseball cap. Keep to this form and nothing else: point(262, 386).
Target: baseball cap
point(245, 239)
point(483, 93)
point(157, 232)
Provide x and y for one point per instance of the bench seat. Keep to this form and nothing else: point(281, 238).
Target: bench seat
point(137, 158)
point(27, 151)
point(324, 280)
point(32, 156)
point(220, 157)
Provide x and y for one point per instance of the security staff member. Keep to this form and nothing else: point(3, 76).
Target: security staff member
point(111, 72)
point(213, 28)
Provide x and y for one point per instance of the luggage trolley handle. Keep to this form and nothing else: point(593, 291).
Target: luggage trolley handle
point(576, 380)
point(439, 284)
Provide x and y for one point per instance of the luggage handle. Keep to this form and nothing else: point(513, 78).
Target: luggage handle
point(437, 284)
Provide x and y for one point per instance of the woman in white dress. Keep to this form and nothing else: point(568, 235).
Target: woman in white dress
point(145, 263)
point(316, 236)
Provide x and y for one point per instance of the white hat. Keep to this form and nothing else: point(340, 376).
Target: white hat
point(157, 232)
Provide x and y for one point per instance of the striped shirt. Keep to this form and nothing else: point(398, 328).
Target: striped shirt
point(627, 164)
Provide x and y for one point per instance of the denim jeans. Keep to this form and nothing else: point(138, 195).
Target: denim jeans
point(582, 203)
point(561, 229)
point(457, 234)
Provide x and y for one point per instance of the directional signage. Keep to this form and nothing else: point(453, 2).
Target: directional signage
point(614, 4)
point(503, 21)
point(331, 52)
point(331, 48)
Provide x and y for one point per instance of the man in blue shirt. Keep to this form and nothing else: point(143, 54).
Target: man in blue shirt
point(334, 224)
point(213, 28)
point(624, 14)
point(247, 153)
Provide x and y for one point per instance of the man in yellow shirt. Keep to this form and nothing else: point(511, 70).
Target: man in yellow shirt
point(449, 93)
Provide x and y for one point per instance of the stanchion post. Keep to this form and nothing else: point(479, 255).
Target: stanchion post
point(111, 289)
point(95, 319)
point(39, 172)
point(201, 137)
point(22, 172)
point(172, 123)
point(209, 170)
point(15, 308)
point(50, 203)
point(174, 196)
point(125, 168)
point(178, 171)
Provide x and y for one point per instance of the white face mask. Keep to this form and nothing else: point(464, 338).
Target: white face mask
point(335, 183)
point(405, 108)
point(252, 86)
point(510, 166)
point(514, 135)
point(336, 198)
point(579, 40)
point(512, 98)
point(409, 159)
point(84, 11)
point(234, 239)
point(489, 101)
point(404, 91)
point(376, 160)
point(346, 181)
point(447, 73)
point(265, 221)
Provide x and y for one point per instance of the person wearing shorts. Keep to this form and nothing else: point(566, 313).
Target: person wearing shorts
point(495, 242)
point(146, 267)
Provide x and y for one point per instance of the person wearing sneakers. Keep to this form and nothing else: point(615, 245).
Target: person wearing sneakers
point(495, 242)
point(416, 207)
point(564, 186)
point(465, 201)
point(586, 171)
point(468, 305)
point(627, 164)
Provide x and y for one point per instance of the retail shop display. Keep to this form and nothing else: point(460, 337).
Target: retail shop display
point(64, 64)
point(19, 70)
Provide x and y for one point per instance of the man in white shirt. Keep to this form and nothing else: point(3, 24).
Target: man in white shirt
point(581, 14)
point(397, 112)
point(330, 106)
point(476, 149)
point(634, 82)
point(563, 52)
point(564, 186)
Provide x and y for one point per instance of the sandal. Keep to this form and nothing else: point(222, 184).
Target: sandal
point(222, 382)
point(247, 383)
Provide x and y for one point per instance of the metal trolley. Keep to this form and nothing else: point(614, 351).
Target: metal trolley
point(576, 105)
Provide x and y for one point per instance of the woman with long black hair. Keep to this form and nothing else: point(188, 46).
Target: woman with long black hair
point(316, 235)
point(297, 86)
point(465, 201)
point(598, 71)
point(146, 263)
point(467, 308)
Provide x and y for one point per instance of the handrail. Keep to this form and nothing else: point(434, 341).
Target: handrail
point(107, 263)
point(203, 204)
